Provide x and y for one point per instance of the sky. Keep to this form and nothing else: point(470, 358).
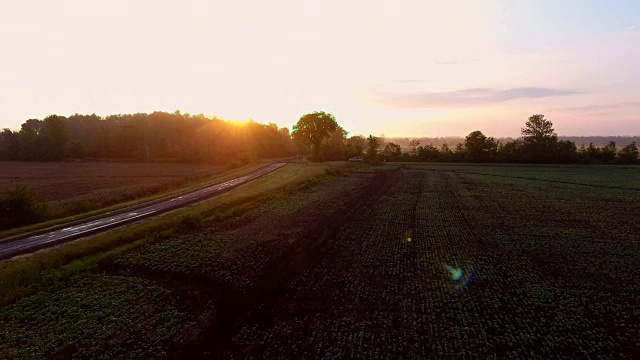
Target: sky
point(399, 68)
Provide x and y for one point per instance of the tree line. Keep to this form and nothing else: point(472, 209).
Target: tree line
point(538, 143)
point(155, 136)
point(597, 141)
point(197, 138)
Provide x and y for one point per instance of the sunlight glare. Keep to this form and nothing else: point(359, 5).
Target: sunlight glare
point(239, 123)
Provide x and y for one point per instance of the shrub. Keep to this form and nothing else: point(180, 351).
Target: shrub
point(20, 207)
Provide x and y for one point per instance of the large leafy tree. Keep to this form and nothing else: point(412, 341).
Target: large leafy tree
point(537, 128)
point(539, 139)
point(312, 129)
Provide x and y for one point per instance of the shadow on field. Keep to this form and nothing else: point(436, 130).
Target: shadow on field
point(223, 309)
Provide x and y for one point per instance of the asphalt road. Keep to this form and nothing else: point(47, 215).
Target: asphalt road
point(60, 234)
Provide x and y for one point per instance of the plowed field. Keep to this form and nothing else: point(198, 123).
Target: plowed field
point(71, 187)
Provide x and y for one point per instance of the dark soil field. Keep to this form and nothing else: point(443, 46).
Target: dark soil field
point(88, 184)
point(388, 262)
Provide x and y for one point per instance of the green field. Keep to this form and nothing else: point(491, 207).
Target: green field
point(326, 261)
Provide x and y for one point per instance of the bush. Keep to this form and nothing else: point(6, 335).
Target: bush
point(20, 207)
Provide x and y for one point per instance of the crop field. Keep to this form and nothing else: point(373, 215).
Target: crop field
point(71, 187)
point(410, 261)
point(625, 177)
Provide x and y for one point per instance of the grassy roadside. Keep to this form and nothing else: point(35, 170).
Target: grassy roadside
point(24, 275)
point(192, 185)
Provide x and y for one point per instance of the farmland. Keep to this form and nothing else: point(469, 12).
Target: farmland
point(359, 263)
point(72, 187)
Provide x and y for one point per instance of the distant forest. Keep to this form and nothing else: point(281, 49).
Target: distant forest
point(162, 136)
point(155, 136)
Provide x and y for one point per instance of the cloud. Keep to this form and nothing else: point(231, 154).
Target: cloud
point(589, 108)
point(461, 98)
point(631, 28)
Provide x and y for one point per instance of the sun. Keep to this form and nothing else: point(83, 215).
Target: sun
point(239, 123)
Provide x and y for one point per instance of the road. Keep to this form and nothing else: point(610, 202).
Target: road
point(64, 233)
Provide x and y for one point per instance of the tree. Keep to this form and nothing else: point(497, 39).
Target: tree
point(355, 146)
point(428, 153)
point(56, 137)
point(9, 145)
point(392, 152)
point(373, 144)
point(539, 139)
point(285, 138)
point(566, 151)
point(537, 128)
point(590, 154)
point(608, 152)
point(334, 145)
point(511, 151)
point(446, 154)
point(629, 153)
point(413, 144)
point(30, 140)
point(459, 153)
point(480, 148)
point(130, 141)
point(312, 129)
point(20, 207)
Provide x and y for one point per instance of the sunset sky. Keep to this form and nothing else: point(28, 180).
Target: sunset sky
point(402, 68)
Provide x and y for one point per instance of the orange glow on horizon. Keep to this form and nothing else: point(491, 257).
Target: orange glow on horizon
point(488, 65)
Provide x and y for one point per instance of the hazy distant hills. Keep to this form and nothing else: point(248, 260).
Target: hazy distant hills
point(620, 141)
point(452, 141)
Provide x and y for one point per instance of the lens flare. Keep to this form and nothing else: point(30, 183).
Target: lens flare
point(454, 273)
point(461, 277)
